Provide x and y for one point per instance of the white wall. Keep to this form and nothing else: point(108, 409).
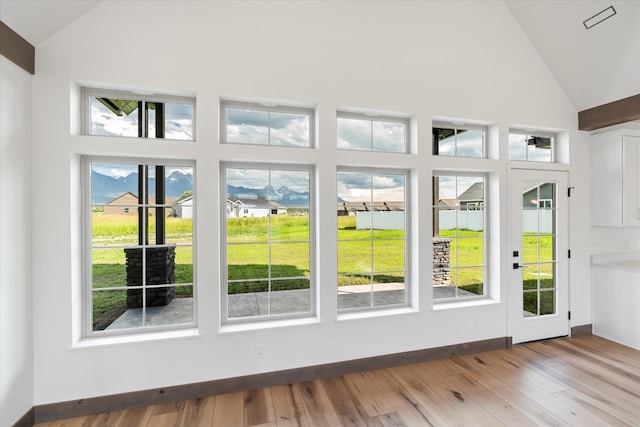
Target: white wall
point(16, 325)
point(465, 60)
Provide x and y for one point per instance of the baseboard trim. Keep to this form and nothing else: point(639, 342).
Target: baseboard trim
point(581, 330)
point(27, 420)
point(94, 405)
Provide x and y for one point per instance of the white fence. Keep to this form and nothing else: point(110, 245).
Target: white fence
point(533, 221)
point(382, 220)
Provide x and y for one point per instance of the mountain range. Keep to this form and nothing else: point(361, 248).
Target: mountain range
point(105, 188)
point(283, 195)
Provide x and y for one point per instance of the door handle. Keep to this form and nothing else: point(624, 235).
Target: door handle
point(517, 266)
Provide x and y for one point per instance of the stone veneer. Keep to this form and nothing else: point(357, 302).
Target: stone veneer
point(441, 261)
point(160, 262)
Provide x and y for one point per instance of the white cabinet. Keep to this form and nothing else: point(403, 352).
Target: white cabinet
point(615, 282)
point(615, 179)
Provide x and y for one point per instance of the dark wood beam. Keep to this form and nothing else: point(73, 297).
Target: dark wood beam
point(16, 49)
point(613, 113)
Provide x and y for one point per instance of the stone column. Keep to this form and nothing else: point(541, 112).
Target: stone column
point(160, 269)
point(441, 261)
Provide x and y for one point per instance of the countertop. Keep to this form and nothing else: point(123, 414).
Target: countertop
point(628, 261)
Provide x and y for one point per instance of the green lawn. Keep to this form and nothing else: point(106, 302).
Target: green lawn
point(361, 261)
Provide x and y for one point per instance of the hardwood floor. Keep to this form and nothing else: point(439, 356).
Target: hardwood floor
point(585, 381)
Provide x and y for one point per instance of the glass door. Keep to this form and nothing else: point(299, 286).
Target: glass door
point(538, 255)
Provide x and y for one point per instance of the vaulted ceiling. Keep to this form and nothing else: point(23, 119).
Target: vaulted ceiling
point(594, 66)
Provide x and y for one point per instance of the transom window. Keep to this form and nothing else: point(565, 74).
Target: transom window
point(358, 131)
point(267, 241)
point(531, 147)
point(261, 124)
point(459, 224)
point(372, 238)
point(139, 271)
point(459, 140)
point(125, 114)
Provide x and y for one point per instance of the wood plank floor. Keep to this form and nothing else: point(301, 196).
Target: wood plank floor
point(585, 381)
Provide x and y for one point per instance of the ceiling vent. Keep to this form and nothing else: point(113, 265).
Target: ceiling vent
point(599, 17)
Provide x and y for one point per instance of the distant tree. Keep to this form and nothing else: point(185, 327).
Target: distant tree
point(184, 195)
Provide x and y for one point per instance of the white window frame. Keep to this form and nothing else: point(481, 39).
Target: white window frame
point(269, 108)
point(407, 239)
point(88, 92)
point(374, 117)
point(224, 287)
point(535, 133)
point(87, 286)
point(486, 204)
point(457, 127)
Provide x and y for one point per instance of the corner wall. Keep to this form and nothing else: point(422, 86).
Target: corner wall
point(467, 60)
point(16, 325)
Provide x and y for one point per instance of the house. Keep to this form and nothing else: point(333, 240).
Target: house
point(472, 198)
point(183, 208)
point(500, 64)
point(126, 203)
point(122, 205)
point(542, 198)
point(254, 208)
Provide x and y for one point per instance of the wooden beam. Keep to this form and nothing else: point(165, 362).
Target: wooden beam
point(613, 113)
point(16, 49)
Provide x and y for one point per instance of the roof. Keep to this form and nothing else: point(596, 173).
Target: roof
point(473, 193)
point(371, 206)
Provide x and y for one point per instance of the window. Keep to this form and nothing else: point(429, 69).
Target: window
point(268, 241)
point(372, 238)
point(531, 147)
point(247, 123)
point(372, 133)
point(126, 114)
point(458, 140)
point(139, 271)
point(459, 249)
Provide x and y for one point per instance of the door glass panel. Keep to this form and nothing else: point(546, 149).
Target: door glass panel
point(538, 247)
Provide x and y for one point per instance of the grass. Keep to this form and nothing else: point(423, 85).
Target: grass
point(366, 256)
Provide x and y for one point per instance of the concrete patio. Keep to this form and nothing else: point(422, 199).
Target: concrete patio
point(180, 310)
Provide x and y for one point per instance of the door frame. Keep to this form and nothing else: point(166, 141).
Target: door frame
point(520, 327)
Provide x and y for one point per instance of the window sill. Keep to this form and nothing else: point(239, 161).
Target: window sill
point(447, 305)
point(376, 313)
point(135, 338)
point(267, 324)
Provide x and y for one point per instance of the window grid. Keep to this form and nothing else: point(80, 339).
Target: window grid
point(540, 266)
point(388, 138)
point(392, 282)
point(253, 124)
point(296, 220)
point(115, 260)
point(459, 140)
point(460, 248)
point(127, 114)
point(532, 146)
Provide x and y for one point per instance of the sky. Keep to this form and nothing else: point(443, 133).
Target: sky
point(259, 178)
point(267, 128)
point(357, 186)
point(468, 143)
point(178, 121)
point(122, 170)
point(370, 135)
